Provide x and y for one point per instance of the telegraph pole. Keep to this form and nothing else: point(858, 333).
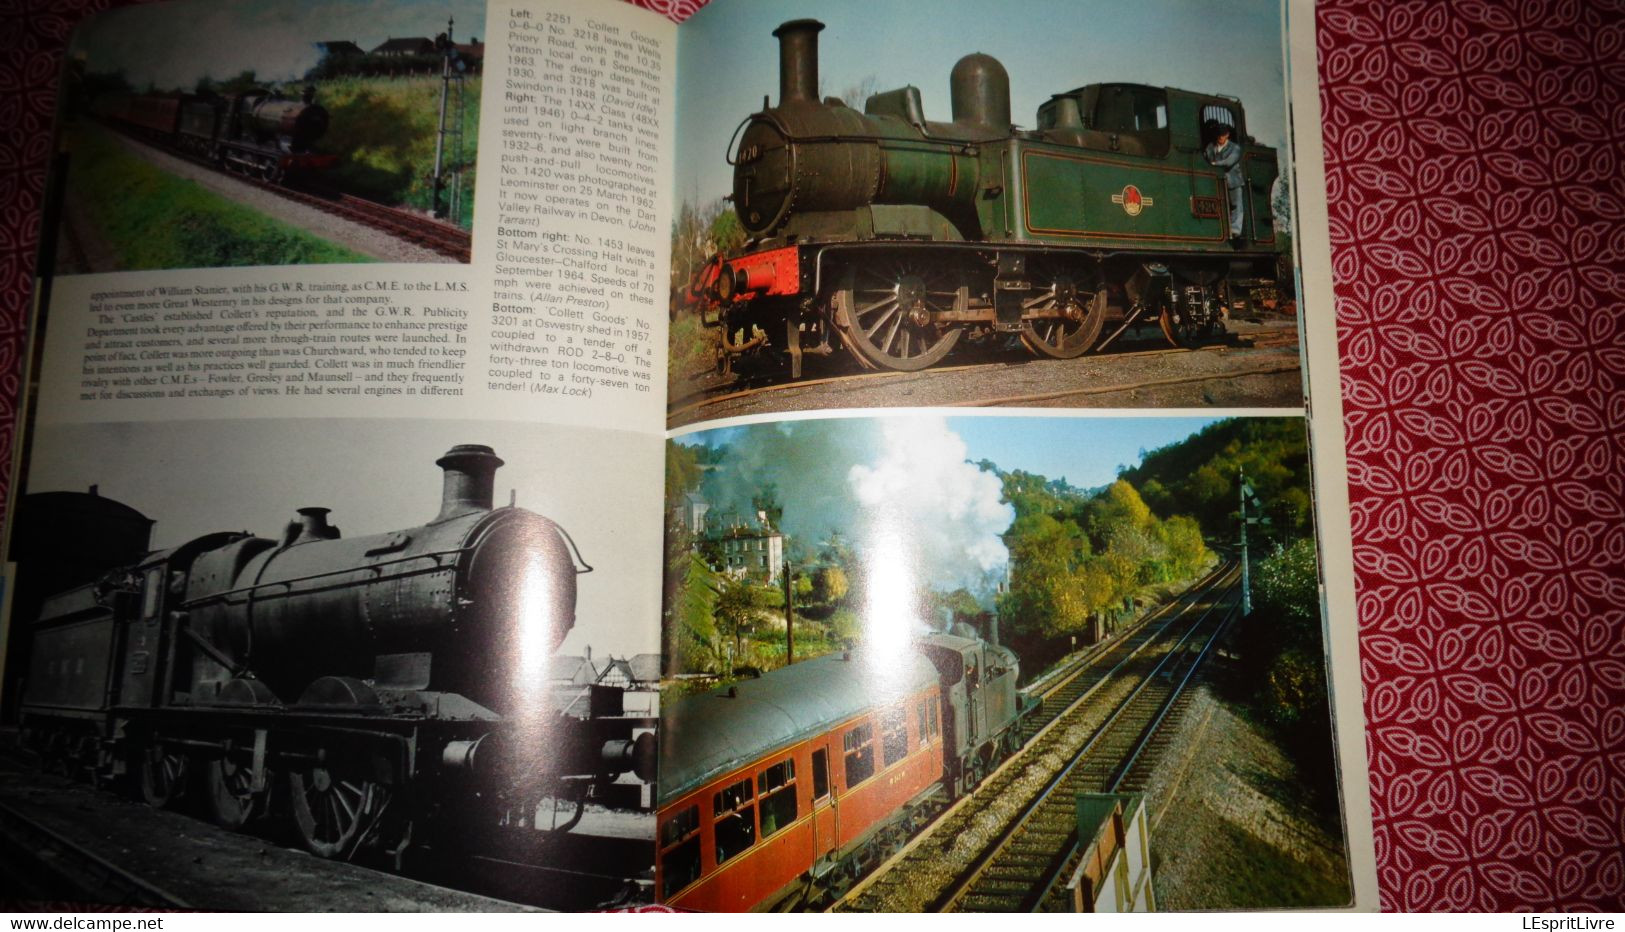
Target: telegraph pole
point(448, 51)
point(789, 619)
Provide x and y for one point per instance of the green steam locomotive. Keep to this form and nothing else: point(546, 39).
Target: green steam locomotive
point(898, 238)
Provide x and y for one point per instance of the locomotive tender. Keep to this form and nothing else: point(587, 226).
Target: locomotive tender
point(376, 688)
point(797, 781)
point(256, 132)
point(895, 236)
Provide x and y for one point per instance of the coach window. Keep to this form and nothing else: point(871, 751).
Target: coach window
point(735, 816)
point(820, 759)
point(894, 735)
point(776, 788)
point(680, 851)
point(859, 744)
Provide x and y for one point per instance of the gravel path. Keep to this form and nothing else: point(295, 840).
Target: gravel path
point(1231, 826)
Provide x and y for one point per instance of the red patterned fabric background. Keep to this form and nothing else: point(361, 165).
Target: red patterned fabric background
point(1476, 165)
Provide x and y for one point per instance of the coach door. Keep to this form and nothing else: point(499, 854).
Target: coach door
point(825, 811)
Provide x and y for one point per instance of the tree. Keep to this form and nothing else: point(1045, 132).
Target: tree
point(726, 234)
point(1044, 597)
point(683, 472)
point(830, 584)
point(739, 606)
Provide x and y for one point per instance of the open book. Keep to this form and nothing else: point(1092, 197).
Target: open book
point(534, 454)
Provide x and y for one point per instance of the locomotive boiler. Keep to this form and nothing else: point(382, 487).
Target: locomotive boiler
point(894, 236)
point(392, 685)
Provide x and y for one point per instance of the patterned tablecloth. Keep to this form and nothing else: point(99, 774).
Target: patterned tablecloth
point(1476, 165)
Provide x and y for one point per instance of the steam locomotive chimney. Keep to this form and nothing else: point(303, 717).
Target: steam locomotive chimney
point(470, 476)
point(798, 60)
point(313, 525)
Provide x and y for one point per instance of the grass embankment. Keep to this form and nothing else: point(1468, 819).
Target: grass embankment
point(383, 130)
point(691, 353)
point(151, 219)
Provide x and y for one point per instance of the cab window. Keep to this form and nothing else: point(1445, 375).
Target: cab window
point(152, 589)
point(1131, 110)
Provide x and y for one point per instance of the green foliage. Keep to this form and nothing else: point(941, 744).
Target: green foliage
point(384, 131)
point(1287, 584)
point(691, 630)
point(740, 606)
point(153, 220)
point(1198, 476)
point(959, 604)
point(727, 236)
point(691, 352)
point(845, 624)
point(699, 232)
point(830, 584)
point(683, 471)
point(1283, 647)
point(1077, 560)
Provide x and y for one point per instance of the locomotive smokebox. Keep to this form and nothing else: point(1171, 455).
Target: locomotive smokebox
point(980, 88)
point(470, 475)
point(798, 60)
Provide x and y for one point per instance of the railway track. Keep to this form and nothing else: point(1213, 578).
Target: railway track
point(1081, 707)
point(41, 864)
point(444, 238)
point(1263, 339)
point(1023, 871)
point(427, 232)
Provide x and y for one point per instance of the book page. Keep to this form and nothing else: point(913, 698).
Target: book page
point(1006, 555)
point(336, 527)
point(488, 242)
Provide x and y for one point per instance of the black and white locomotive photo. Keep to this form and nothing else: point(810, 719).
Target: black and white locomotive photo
point(392, 699)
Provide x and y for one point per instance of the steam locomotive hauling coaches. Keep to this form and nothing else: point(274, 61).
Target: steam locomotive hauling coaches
point(391, 684)
point(796, 783)
point(896, 237)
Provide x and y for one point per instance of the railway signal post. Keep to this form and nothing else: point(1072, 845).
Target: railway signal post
point(1248, 496)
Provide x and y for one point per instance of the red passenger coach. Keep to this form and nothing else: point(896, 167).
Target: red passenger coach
point(772, 785)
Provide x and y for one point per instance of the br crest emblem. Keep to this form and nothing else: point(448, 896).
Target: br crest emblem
point(1132, 200)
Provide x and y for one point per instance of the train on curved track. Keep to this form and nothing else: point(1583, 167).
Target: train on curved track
point(898, 238)
point(256, 132)
point(787, 787)
point(379, 693)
